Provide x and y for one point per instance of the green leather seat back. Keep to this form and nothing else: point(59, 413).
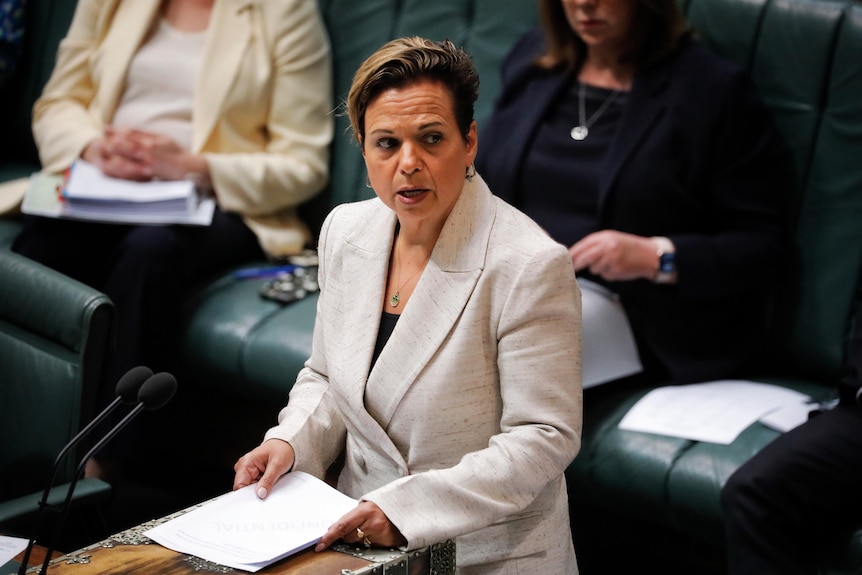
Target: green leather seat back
point(53, 336)
point(804, 58)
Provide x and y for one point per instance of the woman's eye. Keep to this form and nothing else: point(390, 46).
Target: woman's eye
point(433, 138)
point(386, 143)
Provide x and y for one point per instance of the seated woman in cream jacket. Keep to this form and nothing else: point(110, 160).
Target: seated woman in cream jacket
point(446, 353)
point(234, 95)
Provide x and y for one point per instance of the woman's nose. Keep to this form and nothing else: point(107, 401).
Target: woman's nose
point(410, 162)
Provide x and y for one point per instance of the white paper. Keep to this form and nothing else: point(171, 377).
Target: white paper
point(10, 547)
point(608, 349)
point(240, 530)
point(715, 412)
point(788, 416)
point(86, 181)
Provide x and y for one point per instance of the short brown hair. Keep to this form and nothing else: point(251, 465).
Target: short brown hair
point(405, 61)
point(659, 26)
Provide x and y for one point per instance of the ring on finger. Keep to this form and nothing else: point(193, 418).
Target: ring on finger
point(363, 537)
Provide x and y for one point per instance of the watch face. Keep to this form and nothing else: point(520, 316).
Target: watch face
point(666, 264)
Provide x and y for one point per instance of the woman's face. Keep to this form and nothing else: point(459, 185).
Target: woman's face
point(415, 154)
point(601, 24)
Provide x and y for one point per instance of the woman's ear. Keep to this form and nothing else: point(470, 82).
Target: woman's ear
point(472, 142)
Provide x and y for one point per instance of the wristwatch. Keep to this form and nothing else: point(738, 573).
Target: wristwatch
point(666, 266)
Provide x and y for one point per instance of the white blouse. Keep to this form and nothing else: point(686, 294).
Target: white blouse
point(160, 84)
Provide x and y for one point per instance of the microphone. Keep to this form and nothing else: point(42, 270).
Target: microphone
point(154, 393)
point(127, 392)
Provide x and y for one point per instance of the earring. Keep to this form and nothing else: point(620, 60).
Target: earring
point(367, 182)
point(470, 172)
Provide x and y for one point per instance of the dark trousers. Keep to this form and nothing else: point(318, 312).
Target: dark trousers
point(797, 496)
point(147, 271)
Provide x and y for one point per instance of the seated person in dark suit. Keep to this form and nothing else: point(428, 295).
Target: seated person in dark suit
point(803, 490)
point(655, 162)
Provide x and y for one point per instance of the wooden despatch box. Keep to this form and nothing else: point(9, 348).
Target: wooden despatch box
point(131, 552)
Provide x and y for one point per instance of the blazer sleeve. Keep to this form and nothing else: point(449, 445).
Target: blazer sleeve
point(63, 124)
point(538, 362)
point(294, 162)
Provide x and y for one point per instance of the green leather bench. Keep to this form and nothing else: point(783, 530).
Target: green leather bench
point(804, 56)
point(242, 353)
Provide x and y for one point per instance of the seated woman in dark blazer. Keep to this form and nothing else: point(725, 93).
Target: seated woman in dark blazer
point(655, 162)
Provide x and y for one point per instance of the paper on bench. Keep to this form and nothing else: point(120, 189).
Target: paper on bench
point(240, 530)
point(715, 411)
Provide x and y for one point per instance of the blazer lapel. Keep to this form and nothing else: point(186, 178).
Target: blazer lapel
point(543, 93)
point(230, 35)
point(440, 295)
point(125, 32)
point(366, 260)
point(642, 112)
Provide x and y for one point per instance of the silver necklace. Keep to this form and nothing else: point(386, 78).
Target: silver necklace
point(396, 297)
point(582, 130)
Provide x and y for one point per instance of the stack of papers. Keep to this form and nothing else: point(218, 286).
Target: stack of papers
point(90, 190)
point(90, 195)
point(240, 530)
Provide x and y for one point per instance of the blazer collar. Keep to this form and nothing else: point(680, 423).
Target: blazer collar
point(543, 90)
point(441, 294)
point(643, 110)
point(124, 34)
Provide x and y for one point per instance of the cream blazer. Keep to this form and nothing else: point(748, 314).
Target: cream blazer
point(262, 103)
point(473, 411)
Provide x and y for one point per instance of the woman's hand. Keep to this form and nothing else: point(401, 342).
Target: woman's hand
point(116, 159)
point(142, 156)
point(264, 464)
point(616, 256)
point(365, 522)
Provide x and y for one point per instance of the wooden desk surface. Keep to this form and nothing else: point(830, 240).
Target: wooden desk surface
point(132, 553)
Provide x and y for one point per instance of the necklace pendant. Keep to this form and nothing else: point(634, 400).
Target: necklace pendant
point(393, 301)
point(579, 132)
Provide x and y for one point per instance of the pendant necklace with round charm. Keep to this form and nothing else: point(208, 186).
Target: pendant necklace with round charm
point(582, 130)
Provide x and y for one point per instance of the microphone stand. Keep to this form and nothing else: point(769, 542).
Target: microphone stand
point(155, 392)
point(43, 502)
point(64, 510)
point(127, 390)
